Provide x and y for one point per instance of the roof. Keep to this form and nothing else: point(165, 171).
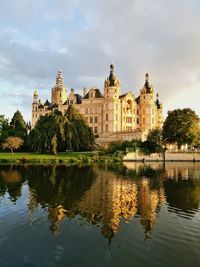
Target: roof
point(158, 104)
point(148, 87)
point(98, 94)
point(47, 103)
point(137, 99)
point(78, 98)
point(123, 95)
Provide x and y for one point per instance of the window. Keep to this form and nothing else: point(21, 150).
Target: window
point(86, 111)
point(129, 120)
point(106, 117)
point(95, 119)
point(91, 119)
point(143, 120)
point(138, 121)
point(116, 117)
point(137, 111)
point(71, 102)
point(143, 111)
point(106, 128)
point(95, 130)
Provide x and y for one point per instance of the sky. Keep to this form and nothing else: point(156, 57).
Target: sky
point(82, 38)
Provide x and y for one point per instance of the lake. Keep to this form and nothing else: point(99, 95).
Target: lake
point(129, 215)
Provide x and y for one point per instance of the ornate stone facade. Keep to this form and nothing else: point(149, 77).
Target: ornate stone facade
point(112, 115)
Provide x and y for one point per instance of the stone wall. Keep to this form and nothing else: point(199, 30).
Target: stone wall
point(169, 156)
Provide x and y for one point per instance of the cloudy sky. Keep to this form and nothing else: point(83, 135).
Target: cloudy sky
point(82, 38)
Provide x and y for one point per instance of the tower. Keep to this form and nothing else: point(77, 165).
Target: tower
point(147, 106)
point(59, 92)
point(35, 106)
point(112, 91)
point(112, 85)
point(35, 96)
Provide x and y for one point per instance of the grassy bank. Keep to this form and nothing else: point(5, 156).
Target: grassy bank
point(87, 158)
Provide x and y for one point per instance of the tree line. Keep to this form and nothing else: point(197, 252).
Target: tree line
point(53, 133)
point(56, 132)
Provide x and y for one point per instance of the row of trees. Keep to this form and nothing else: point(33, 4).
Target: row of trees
point(53, 133)
point(56, 132)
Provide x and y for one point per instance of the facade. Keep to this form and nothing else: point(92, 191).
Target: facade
point(112, 116)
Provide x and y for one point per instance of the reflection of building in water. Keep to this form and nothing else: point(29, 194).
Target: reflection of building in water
point(56, 215)
point(180, 171)
point(109, 199)
point(148, 200)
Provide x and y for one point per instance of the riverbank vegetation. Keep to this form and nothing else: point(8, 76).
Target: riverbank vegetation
point(63, 138)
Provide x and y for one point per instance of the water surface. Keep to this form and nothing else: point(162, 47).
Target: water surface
point(133, 215)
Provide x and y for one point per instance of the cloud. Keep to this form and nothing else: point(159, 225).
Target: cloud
point(83, 37)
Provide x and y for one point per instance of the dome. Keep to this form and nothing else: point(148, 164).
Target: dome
point(35, 92)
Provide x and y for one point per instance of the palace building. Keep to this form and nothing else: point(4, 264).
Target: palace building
point(111, 115)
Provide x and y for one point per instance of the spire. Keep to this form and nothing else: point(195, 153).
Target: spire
point(112, 76)
point(35, 92)
point(59, 78)
point(147, 85)
point(35, 96)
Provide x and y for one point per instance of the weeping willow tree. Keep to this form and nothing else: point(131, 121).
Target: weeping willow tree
point(81, 136)
point(55, 132)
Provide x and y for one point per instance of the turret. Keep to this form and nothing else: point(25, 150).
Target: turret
point(59, 93)
point(112, 85)
point(35, 96)
point(147, 106)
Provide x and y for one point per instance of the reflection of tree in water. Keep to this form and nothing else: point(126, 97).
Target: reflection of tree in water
point(99, 195)
point(183, 195)
point(58, 188)
point(11, 181)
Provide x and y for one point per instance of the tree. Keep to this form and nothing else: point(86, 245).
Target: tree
point(18, 126)
point(4, 129)
point(148, 147)
point(155, 136)
point(55, 132)
point(12, 143)
point(181, 127)
point(48, 134)
point(80, 134)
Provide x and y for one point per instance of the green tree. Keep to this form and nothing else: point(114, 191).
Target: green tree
point(55, 132)
point(80, 135)
point(181, 127)
point(4, 129)
point(155, 136)
point(18, 126)
point(48, 134)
